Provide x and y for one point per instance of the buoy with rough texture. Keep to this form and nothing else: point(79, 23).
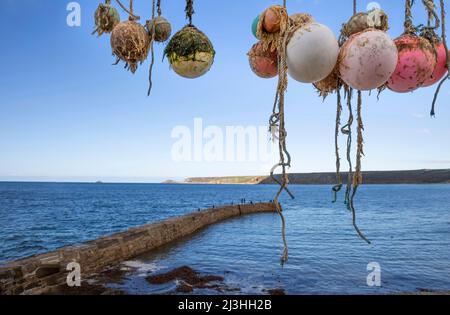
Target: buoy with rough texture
point(106, 18)
point(130, 43)
point(312, 53)
point(441, 66)
point(264, 63)
point(162, 27)
point(416, 63)
point(362, 21)
point(190, 53)
point(367, 60)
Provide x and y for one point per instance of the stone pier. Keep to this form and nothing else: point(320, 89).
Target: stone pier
point(39, 274)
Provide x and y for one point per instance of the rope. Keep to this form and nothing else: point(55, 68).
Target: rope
point(189, 10)
point(432, 15)
point(129, 11)
point(429, 31)
point(158, 5)
point(357, 178)
point(277, 120)
point(444, 41)
point(152, 41)
point(338, 185)
point(347, 130)
point(409, 27)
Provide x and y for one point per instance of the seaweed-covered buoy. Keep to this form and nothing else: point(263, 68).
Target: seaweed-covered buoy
point(312, 53)
point(263, 62)
point(162, 28)
point(441, 66)
point(255, 26)
point(362, 21)
point(130, 43)
point(367, 60)
point(190, 53)
point(271, 19)
point(106, 18)
point(416, 63)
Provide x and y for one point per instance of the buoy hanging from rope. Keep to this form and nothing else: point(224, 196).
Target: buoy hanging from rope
point(160, 27)
point(159, 30)
point(368, 56)
point(368, 59)
point(263, 62)
point(268, 59)
point(106, 18)
point(130, 42)
point(312, 53)
point(416, 58)
point(190, 52)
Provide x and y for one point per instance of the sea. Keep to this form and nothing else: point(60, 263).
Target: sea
point(408, 225)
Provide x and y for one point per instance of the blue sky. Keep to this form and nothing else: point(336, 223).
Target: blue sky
point(67, 114)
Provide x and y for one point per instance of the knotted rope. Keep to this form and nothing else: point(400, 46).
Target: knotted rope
point(347, 130)
point(338, 185)
point(158, 5)
point(354, 180)
point(277, 121)
point(357, 178)
point(408, 25)
point(429, 31)
point(189, 10)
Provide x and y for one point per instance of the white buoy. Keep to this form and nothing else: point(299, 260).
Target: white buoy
point(312, 53)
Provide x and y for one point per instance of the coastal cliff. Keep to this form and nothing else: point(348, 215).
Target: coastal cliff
point(375, 177)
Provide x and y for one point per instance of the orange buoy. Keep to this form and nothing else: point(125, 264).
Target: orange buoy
point(263, 62)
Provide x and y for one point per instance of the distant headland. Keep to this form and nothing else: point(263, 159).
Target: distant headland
point(372, 177)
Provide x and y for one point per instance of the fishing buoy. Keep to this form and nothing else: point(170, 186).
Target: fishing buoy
point(162, 28)
point(367, 60)
point(263, 62)
point(190, 53)
point(441, 66)
point(271, 19)
point(130, 43)
point(416, 63)
point(362, 21)
point(255, 26)
point(312, 53)
point(106, 18)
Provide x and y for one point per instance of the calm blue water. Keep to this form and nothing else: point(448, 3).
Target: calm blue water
point(409, 226)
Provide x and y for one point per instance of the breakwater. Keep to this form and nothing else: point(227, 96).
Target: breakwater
point(43, 273)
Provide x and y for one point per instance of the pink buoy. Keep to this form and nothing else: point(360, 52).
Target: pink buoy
point(264, 63)
point(416, 63)
point(367, 60)
point(441, 66)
